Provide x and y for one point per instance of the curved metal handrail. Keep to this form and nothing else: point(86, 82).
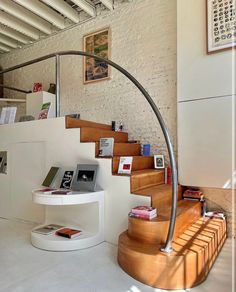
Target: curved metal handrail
point(168, 244)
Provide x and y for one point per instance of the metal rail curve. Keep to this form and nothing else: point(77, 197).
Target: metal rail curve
point(167, 248)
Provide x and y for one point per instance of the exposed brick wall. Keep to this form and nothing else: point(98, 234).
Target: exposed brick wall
point(143, 42)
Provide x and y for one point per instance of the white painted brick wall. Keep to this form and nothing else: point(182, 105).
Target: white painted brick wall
point(143, 42)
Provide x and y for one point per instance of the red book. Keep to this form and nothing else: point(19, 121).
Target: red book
point(68, 232)
point(168, 176)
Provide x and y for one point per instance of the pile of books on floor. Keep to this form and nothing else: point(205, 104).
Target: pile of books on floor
point(58, 230)
point(193, 195)
point(143, 212)
point(215, 214)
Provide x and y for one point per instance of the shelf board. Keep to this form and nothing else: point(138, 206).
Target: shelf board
point(73, 199)
point(13, 100)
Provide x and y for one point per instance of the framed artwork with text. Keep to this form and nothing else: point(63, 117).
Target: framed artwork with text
point(97, 43)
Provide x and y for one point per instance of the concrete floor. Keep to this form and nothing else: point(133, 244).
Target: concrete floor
point(26, 268)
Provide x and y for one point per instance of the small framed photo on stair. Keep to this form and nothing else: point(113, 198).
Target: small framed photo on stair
point(159, 161)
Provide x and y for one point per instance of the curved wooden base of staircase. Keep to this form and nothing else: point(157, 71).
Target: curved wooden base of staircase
point(188, 265)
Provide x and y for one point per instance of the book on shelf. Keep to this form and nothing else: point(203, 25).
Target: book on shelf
point(67, 179)
point(106, 147)
point(125, 165)
point(215, 214)
point(8, 115)
point(142, 216)
point(68, 232)
point(44, 113)
point(168, 175)
point(144, 210)
point(45, 191)
point(61, 192)
point(47, 229)
point(49, 179)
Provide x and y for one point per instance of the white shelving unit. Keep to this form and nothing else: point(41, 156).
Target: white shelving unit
point(87, 238)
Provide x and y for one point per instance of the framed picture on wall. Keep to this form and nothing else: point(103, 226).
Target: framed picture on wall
point(221, 25)
point(97, 43)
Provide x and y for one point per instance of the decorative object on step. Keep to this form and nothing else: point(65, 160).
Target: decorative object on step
point(113, 125)
point(146, 149)
point(193, 195)
point(106, 147)
point(159, 161)
point(74, 116)
point(85, 177)
point(134, 141)
point(44, 113)
point(168, 175)
point(143, 212)
point(52, 88)
point(67, 179)
point(47, 229)
point(3, 162)
point(26, 118)
point(49, 179)
point(121, 127)
point(68, 232)
point(125, 165)
point(8, 115)
point(204, 208)
point(37, 87)
point(97, 43)
point(215, 214)
point(221, 20)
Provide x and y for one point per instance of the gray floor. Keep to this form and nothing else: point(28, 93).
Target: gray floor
point(25, 268)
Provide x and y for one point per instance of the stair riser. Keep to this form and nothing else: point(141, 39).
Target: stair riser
point(123, 149)
point(77, 123)
point(161, 202)
point(94, 135)
point(139, 163)
point(139, 182)
point(156, 231)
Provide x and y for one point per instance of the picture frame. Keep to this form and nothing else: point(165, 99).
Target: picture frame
point(97, 43)
point(221, 25)
point(159, 161)
point(85, 177)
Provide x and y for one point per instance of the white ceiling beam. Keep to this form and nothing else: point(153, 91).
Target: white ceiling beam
point(108, 4)
point(26, 16)
point(43, 11)
point(7, 31)
point(18, 25)
point(4, 48)
point(87, 7)
point(8, 41)
point(64, 8)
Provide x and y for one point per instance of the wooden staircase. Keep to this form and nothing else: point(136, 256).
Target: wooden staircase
point(197, 241)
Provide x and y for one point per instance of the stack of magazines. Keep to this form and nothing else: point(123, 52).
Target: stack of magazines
point(143, 212)
point(193, 195)
point(215, 214)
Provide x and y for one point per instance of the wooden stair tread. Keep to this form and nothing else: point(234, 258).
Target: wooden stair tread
point(195, 251)
point(180, 246)
point(122, 149)
point(88, 134)
point(155, 190)
point(78, 123)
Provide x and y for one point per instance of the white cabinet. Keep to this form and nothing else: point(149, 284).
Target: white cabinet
point(35, 100)
point(84, 211)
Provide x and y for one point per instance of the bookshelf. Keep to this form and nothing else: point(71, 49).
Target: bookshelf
point(89, 236)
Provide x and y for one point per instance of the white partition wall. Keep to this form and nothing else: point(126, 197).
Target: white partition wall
point(205, 103)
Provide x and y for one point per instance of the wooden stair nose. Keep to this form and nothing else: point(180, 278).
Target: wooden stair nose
point(78, 123)
point(93, 135)
point(123, 149)
point(194, 253)
point(155, 230)
point(139, 163)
